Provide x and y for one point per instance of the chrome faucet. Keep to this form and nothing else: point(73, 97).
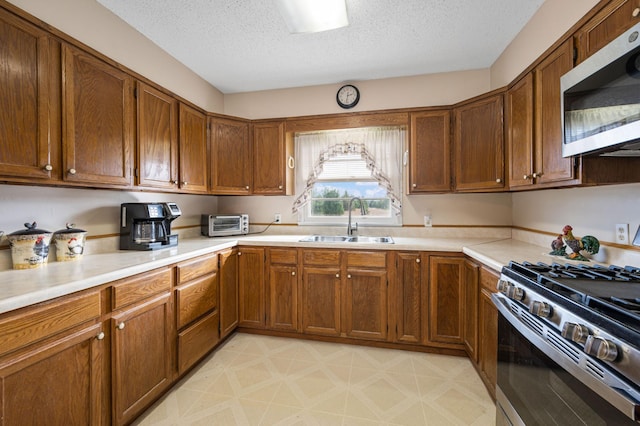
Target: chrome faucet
point(349, 228)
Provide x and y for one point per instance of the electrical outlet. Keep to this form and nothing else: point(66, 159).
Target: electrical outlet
point(622, 233)
point(427, 220)
point(277, 218)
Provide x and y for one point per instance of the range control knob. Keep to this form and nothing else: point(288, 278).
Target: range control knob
point(515, 293)
point(601, 348)
point(541, 309)
point(575, 332)
point(502, 285)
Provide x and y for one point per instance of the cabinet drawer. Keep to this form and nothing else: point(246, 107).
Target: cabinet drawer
point(196, 267)
point(283, 256)
point(321, 257)
point(196, 298)
point(27, 327)
point(488, 280)
point(370, 259)
point(197, 340)
point(141, 286)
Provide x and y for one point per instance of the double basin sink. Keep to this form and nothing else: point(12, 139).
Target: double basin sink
point(346, 239)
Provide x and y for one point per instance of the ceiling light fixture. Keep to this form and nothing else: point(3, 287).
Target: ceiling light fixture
point(312, 16)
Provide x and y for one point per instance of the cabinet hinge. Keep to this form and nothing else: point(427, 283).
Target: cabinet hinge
point(135, 93)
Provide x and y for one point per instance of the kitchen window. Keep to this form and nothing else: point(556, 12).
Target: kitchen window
point(335, 166)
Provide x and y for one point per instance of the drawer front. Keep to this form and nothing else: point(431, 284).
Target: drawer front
point(141, 286)
point(283, 256)
point(21, 329)
point(369, 259)
point(488, 280)
point(197, 340)
point(196, 298)
point(197, 267)
point(321, 257)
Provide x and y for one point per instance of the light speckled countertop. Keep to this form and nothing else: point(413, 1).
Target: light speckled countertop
point(20, 288)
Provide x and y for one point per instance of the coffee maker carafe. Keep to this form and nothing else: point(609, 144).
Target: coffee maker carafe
point(147, 226)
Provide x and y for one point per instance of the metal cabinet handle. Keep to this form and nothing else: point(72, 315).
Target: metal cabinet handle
point(636, 12)
point(279, 186)
point(72, 171)
point(291, 162)
point(121, 326)
point(175, 182)
point(349, 276)
point(293, 273)
point(337, 275)
point(537, 175)
point(414, 185)
point(48, 167)
point(418, 260)
point(246, 187)
point(100, 335)
point(498, 180)
point(184, 183)
point(527, 177)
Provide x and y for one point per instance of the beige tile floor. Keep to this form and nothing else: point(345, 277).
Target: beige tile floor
point(263, 380)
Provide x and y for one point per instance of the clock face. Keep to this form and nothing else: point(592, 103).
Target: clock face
point(348, 96)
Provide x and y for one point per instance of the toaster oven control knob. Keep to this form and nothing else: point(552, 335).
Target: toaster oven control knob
point(575, 332)
point(601, 348)
point(540, 309)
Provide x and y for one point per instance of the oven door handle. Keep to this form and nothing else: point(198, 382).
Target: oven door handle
point(611, 388)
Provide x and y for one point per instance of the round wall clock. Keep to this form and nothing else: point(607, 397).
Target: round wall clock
point(348, 96)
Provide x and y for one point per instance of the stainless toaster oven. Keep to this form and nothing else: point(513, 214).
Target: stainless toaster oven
point(219, 225)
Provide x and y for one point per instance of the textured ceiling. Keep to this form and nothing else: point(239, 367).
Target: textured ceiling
point(244, 45)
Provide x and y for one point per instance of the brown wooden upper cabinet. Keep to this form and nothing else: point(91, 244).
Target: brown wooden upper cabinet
point(430, 152)
point(157, 147)
point(534, 129)
point(30, 130)
point(230, 157)
point(97, 122)
point(606, 25)
point(193, 150)
point(479, 145)
point(273, 162)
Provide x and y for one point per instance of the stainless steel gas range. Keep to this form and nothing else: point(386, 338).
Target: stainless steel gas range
point(568, 345)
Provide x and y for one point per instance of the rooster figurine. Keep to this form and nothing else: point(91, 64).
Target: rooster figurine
point(587, 243)
point(559, 249)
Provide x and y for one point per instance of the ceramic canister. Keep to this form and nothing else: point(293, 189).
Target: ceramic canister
point(29, 247)
point(69, 243)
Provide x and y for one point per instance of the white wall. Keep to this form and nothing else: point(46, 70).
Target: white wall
point(97, 27)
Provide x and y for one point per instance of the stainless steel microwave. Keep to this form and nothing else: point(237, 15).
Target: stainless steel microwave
point(601, 100)
point(218, 225)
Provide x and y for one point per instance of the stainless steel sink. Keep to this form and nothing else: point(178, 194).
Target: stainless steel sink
point(346, 239)
point(363, 239)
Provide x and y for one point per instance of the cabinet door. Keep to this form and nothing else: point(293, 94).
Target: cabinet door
point(228, 274)
point(98, 117)
point(614, 19)
point(479, 145)
point(30, 130)
point(446, 300)
point(470, 310)
point(270, 159)
point(320, 307)
point(411, 298)
point(142, 356)
point(488, 349)
point(365, 303)
point(251, 289)
point(430, 152)
point(59, 383)
point(549, 163)
point(230, 157)
point(519, 112)
point(193, 150)
point(157, 138)
point(283, 297)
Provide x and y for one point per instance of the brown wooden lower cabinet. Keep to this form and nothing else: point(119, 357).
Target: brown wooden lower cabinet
point(251, 291)
point(282, 286)
point(56, 383)
point(228, 279)
point(488, 332)
point(141, 356)
point(320, 300)
point(410, 299)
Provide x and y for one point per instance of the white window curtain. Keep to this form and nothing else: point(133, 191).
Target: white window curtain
point(380, 147)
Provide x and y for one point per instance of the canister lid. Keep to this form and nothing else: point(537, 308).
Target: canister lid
point(70, 229)
point(31, 230)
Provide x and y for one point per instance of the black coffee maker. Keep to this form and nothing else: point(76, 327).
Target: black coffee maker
point(147, 226)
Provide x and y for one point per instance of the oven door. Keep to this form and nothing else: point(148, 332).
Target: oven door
point(534, 389)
